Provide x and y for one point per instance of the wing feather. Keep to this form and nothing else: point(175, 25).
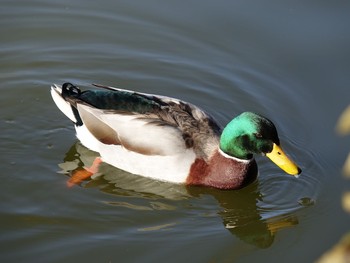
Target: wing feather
point(145, 123)
point(136, 133)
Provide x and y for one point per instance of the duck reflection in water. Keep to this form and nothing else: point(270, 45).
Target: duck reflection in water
point(240, 212)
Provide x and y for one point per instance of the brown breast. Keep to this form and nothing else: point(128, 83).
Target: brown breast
point(221, 172)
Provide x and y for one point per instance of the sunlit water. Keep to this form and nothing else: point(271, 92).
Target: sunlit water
point(224, 57)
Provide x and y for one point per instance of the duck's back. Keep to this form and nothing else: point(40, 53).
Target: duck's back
point(111, 111)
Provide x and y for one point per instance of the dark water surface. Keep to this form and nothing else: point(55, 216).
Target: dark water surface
point(289, 61)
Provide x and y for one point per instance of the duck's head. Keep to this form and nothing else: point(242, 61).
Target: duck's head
point(250, 133)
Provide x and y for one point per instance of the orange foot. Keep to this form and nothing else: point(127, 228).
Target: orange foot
point(81, 174)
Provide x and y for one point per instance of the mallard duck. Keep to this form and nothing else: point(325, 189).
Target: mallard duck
point(168, 139)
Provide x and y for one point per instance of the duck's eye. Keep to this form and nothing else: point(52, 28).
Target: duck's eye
point(258, 135)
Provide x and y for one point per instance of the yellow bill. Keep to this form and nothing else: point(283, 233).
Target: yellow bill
point(281, 160)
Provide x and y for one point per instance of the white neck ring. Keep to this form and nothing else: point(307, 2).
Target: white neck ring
point(234, 158)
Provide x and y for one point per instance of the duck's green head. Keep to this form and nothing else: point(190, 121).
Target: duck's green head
point(251, 133)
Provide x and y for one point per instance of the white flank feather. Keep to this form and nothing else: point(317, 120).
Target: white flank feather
point(173, 168)
point(165, 139)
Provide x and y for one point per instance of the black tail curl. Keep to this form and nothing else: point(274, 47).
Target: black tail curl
point(69, 90)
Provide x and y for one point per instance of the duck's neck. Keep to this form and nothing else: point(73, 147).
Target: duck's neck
point(222, 171)
point(235, 139)
point(235, 149)
point(233, 157)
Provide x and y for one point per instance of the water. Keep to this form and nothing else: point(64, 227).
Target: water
point(287, 61)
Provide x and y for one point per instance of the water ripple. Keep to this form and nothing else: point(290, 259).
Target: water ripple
point(157, 50)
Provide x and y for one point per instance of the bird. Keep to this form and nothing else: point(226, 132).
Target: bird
point(168, 139)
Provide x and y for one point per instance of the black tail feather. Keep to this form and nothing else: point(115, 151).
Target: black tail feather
point(68, 90)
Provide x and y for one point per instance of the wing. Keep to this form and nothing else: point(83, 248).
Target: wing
point(144, 123)
point(145, 135)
